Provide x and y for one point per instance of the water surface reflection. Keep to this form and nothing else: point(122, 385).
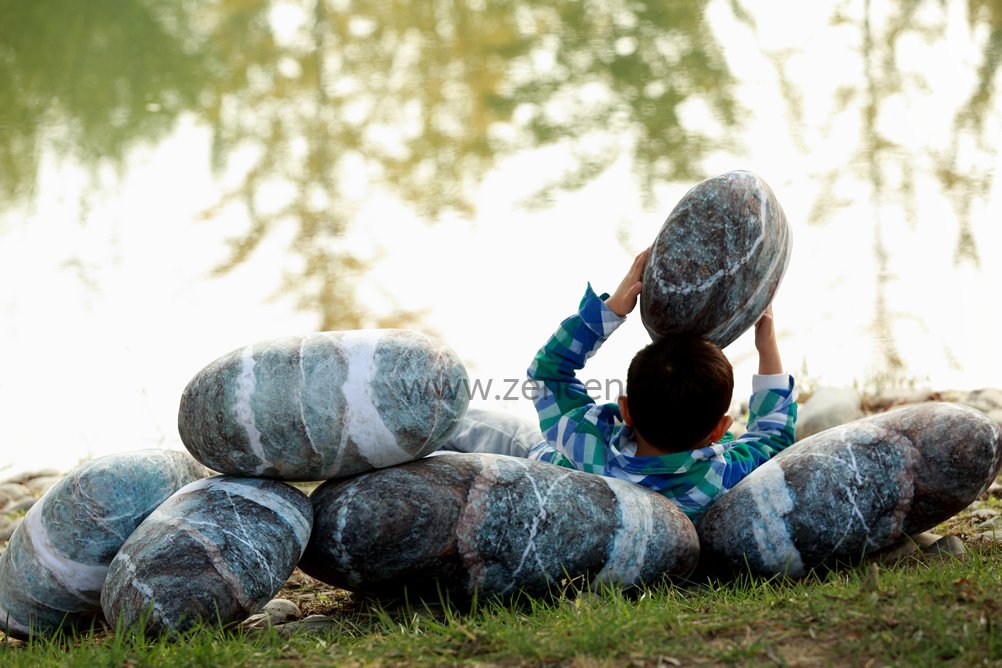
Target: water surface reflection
point(877, 122)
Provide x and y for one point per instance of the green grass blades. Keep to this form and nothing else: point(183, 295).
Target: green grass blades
point(937, 612)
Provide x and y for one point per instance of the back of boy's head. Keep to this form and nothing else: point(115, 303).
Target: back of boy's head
point(677, 389)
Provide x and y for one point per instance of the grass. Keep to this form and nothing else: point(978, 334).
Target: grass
point(912, 614)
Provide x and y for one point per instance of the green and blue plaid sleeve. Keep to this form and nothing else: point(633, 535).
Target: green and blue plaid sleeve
point(771, 421)
point(568, 417)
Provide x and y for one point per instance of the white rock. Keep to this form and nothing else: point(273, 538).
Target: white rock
point(21, 505)
point(275, 611)
point(7, 526)
point(982, 514)
point(42, 484)
point(992, 523)
point(896, 398)
point(986, 399)
point(25, 477)
point(311, 624)
point(946, 547)
point(828, 407)
point(13, 491)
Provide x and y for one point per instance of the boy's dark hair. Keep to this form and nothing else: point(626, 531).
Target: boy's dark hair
point(677, 389)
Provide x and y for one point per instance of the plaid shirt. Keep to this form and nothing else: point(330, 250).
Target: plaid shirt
point(591, 437)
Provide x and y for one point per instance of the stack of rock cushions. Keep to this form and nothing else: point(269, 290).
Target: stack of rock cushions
point(149, 540)
point(298, 408)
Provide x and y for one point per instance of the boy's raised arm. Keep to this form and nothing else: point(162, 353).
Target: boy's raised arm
point(772, 408)
point(769, 362)
point(577, 339)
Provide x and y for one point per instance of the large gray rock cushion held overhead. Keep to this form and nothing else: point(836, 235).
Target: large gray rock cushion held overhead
point(493, 525)
point(852, 490)
point(324, 405)
point(214, 552)
point(54, 566)
point(717, 261)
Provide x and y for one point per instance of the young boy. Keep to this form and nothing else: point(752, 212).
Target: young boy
point(669, 431)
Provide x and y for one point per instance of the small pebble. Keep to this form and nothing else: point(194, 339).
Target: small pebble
point(895, 552)
point(991, 523)
point(905, 547)
point(21, 506)
point(896, 398)
point(42, 484)
point(276, 611)
point(926, 539)
point(311, 624)
point(24, 477)
point(12, 491)
point(986, 399)
point(992, 536)
point(946, 547)
point(7, 526)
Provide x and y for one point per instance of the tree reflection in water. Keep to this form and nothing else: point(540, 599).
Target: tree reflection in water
point(90, 80)
point(887, 165)
point(422, 99)
point(316, 104)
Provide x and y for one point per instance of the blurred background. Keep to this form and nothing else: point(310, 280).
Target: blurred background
point(181, 177)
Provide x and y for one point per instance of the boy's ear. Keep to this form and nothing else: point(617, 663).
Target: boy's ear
point(624, 410)
point(718, 432)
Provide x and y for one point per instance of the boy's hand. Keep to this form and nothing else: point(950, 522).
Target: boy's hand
point(769, 361)
point(624, 299)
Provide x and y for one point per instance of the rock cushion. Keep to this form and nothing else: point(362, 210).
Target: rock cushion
point(849, 491)
point(494, 526)
point(54, 566)
point(324, 405)
point(717, 261)
point(215, 552)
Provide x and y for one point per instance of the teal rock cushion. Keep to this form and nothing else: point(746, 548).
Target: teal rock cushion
point(55, 563)
point(324, 405)
point(717, 261)
point(214, 552)
point(851, 490)
point(466, 525)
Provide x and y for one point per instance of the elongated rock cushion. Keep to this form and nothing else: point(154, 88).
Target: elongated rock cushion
point(324, 405)
point(214, 552)
point(456, 524)
point(717, 261)
point(53, 568)
point(851, 490)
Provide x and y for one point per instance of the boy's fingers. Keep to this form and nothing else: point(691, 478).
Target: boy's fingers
point(638, 264)
point(641, 257)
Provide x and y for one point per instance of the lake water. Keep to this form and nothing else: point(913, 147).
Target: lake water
point(179, 181)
